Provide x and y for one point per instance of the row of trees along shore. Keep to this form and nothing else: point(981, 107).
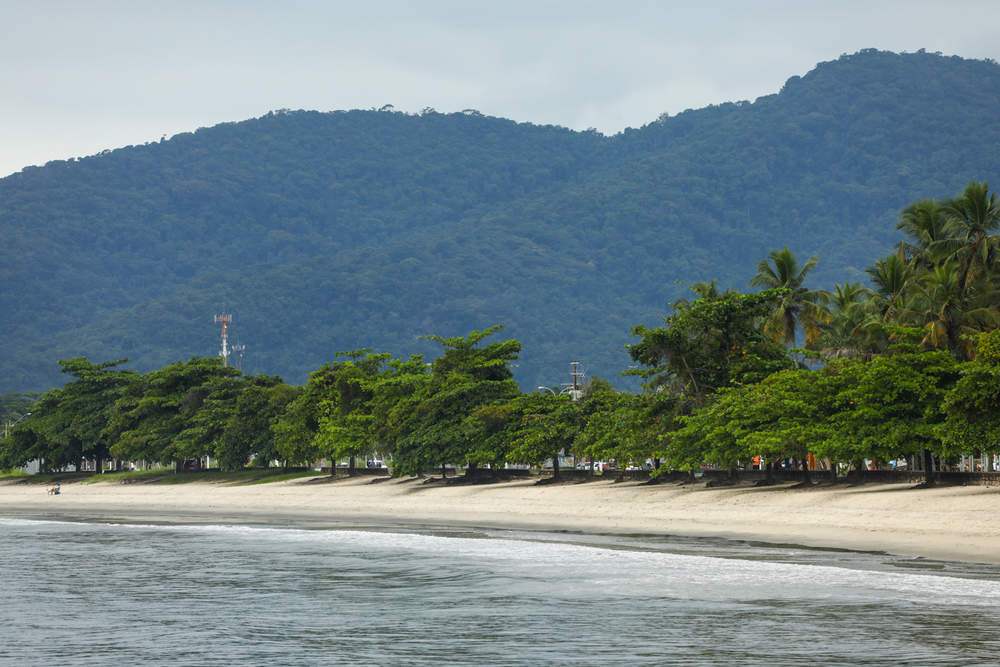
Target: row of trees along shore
point(908, 367)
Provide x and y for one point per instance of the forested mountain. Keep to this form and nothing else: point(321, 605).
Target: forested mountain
point(333, 231)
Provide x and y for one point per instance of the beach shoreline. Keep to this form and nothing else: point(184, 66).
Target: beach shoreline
point(956, 523)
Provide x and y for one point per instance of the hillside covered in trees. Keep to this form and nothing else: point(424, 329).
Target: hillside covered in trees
point(324, 232)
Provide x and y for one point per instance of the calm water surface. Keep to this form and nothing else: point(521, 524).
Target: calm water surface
point(99, 593)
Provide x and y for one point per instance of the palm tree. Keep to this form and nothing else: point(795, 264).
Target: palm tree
point(891, 276)
point(926, 224)
point(842, 335)
point(973, 220)
point(949, 311)
point(800, 307)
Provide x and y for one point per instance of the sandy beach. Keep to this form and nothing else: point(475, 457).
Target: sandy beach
point(949, 523)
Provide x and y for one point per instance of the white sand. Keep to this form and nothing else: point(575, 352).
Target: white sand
point(952, 523)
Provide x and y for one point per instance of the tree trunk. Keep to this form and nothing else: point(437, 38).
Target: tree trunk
point(444, 471)
point(805, 471)
point(555, 466)
point(929, 476)
point(351, 465)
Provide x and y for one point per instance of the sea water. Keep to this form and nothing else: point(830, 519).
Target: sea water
point(76, 592)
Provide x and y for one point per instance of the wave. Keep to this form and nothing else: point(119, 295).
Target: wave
point(610, 567)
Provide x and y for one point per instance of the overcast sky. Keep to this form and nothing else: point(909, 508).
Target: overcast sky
point(78, 77)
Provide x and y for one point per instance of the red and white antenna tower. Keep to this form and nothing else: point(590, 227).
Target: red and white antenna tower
point(224, 319)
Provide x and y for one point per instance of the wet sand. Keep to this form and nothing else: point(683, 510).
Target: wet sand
point(947, 523)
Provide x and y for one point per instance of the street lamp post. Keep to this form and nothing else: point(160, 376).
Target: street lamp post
point(11, 424)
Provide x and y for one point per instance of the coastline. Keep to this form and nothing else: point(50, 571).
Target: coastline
point(957, 523)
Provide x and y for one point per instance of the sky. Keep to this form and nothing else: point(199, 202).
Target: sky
point(77, 77)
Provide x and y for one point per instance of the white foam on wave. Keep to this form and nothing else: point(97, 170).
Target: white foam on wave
point(19, 521)
point(611, 569)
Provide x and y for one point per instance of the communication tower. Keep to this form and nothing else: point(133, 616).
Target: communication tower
point(224, 319)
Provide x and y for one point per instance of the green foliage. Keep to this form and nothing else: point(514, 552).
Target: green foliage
point(893, 405)
point(296, 427)
point(622, 427)
point(246, 432)
point(988, 347)
point(848, 411)
point(548, 425)
point(712, 343)
point(798, 307)
point(69, 424)
point(333, 231)
point(174, 413)
point(433, 423)
point(396, 396)
point(346, 425)
point(972, 410)
point(489, 430)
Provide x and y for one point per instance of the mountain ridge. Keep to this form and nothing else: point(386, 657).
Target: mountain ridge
point(337, 230)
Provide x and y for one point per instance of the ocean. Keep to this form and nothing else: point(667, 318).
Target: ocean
point(82, 593)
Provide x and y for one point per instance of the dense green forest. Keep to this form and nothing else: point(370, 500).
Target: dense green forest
point(337, 231)
point(906, 370)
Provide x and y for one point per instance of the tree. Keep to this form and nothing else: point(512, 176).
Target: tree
point(950, 310)
point(153, 420)
point(32, 439)
point(247, 432)
point(843, 334)
point(462, 380)
point(925, 223)
point(346, 425)
point(624, 427)
point(972, 417)
point(890, 407)
point(710, 344)
point(490, 430)
point(548, 427)
point(973, 220)
point(891, 277)
point(296, 426)
point(395, 399)
point(792, 414)
point(798, 307)
point(68, 424)
point(708, 434)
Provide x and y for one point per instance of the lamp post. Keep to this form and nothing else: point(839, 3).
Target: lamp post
point(11, 424)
